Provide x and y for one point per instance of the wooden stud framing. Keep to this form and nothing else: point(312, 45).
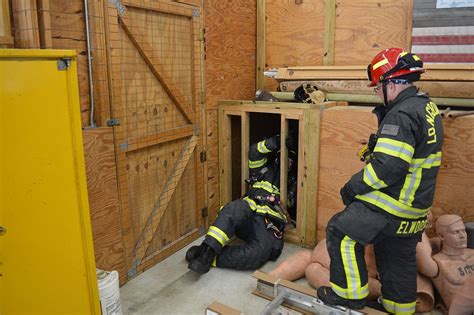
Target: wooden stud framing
point(225, 158)
point(329, 31)
point(44, 24)
point(25, 19)
point(261, 53)
point(309, 117)
point(6, 39)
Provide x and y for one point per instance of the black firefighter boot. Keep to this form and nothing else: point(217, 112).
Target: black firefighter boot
point(194, 252)
point(329, 297)
point(202, 264)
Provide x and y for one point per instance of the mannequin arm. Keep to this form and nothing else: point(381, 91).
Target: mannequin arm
point(424, 262)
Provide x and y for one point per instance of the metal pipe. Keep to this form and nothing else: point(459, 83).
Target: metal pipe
point(89, 60)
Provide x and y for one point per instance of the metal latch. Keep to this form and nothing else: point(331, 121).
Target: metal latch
point(113, 122)
point(64, 63)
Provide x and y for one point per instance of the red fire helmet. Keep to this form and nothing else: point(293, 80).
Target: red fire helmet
point(391, 63)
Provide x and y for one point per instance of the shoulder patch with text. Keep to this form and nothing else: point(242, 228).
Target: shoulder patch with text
point(391, 130)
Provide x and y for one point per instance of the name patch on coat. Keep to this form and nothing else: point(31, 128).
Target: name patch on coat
point(391, 130)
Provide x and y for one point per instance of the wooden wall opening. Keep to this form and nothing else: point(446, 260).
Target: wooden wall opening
point(262, 120)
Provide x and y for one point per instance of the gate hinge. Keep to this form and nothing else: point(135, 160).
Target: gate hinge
point(113, 122)
point(202, 156)
point(204, 212)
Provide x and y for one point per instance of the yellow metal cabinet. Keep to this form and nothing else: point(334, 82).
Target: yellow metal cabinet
point(46, 253)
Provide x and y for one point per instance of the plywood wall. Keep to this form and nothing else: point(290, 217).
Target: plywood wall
point(103, 200)
point(230, 71)
point(343, 130)
point(295, 32)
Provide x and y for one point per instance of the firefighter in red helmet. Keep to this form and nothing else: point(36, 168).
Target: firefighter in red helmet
point(388, 200)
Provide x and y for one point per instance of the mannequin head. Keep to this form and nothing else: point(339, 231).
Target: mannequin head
point(452, 233)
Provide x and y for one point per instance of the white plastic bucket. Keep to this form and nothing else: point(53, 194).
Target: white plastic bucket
point(109, 292)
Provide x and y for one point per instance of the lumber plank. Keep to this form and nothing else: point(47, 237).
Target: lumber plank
point(6, 39)
point(434, 72)
point(25, 22)
point(261, 44)
point(44, 24)
point(450, 89)
point(329, 31)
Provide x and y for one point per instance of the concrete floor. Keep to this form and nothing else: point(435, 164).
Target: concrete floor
point(171, 288)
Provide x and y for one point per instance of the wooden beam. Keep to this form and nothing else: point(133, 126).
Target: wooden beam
point(139, 142)
point(434, 72)
point(329, 31)
point(309, 187)
point(44, 24)
point(225, 158)
point(261, 51)
point(283, 160)
point(457, 89)
point(245, 134)
point(6, 38)
point(25, 22)
point(158, 71)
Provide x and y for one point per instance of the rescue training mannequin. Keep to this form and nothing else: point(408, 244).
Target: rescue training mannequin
point(314, 265)
point(258, 218)
point(388, 200)
point(451, 269)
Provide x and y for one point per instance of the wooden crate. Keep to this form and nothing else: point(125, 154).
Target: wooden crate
point(308, 117)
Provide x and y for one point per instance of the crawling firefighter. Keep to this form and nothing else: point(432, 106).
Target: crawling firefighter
point(258, 218)
point(388, 200)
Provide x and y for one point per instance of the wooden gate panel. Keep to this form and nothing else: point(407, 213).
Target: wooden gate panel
point(156, 68)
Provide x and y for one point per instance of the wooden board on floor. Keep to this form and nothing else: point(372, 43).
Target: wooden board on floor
point(103, 200)
point(344, 129)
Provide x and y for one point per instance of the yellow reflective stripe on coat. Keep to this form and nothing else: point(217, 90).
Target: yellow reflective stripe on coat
point(391, 205)
point(354, 290)
point(399, 308)
point(257, 164)
point(412, 182)
point(263, 209)
point(262, 148)
point(371, 178)
point(395, 148)
point(433, 160)
point(218, 235)
point(265, 185)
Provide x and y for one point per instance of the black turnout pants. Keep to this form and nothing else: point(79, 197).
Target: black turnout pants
point(395, 251)
point(260, 244)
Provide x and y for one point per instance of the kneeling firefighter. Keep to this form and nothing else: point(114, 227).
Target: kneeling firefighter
point(258, 218)
point(388, 200)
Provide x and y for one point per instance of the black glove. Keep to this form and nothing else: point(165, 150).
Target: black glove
point(347, 194)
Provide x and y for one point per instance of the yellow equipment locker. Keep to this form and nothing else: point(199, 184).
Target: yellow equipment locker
point(46, 252)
